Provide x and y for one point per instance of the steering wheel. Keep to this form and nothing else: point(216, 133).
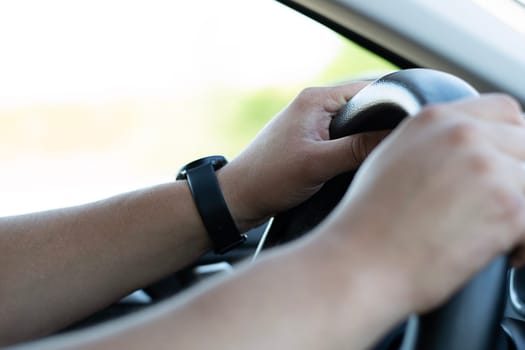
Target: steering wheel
point(470, 319)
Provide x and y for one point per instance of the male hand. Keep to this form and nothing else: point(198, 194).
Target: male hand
point(436, 201)
point(292, 156)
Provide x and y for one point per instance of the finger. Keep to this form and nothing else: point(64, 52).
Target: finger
point(347, 153)
point(507, 138)
point(339, 95)
point(507, 201)
point(491, 107)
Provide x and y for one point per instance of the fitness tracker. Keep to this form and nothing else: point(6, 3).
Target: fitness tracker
point(210, 203)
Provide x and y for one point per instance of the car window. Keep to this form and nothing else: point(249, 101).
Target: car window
point(99, 97)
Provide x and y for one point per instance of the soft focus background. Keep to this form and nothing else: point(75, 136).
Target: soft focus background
point(103, 96)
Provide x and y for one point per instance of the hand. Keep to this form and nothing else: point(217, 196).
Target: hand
point(292, 156)
point(435, 202)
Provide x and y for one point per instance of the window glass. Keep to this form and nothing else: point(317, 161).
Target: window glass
point(103, 96)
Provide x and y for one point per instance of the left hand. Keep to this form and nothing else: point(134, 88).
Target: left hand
point(292, 157)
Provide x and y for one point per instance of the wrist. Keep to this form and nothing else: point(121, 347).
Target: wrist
point(238, 202)
point(370, 294)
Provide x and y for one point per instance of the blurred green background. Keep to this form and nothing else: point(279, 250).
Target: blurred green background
point(243, 113)
point(97, 110)
point(154, 133)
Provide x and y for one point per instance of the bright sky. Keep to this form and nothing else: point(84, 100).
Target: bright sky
point(61, 49)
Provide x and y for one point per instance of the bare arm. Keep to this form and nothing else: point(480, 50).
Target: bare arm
point(288, 300)
point(59, 266)
point(407, 226)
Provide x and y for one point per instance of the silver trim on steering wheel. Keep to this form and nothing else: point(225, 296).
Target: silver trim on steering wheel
point(515, 299)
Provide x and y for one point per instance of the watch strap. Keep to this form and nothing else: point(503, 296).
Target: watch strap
point(212, 207)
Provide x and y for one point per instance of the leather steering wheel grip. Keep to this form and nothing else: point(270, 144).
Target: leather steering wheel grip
point(388, 100)
point(470, 319)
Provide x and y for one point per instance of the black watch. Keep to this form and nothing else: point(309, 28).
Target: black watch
point(210, 203)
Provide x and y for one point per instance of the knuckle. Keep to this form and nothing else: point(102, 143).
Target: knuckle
point(430, 114)
point(480, 163)
point(308, 94)
point(463, 133)
point(508, 105)
point(308, 97)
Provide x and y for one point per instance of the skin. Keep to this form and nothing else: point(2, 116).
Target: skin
point(60, 266)
point(442, 193)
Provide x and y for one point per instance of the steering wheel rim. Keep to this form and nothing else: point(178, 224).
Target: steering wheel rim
point(471, 317)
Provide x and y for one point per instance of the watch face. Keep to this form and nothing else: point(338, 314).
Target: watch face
point(217, 162)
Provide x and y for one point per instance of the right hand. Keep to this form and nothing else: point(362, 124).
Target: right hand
point(437, 200)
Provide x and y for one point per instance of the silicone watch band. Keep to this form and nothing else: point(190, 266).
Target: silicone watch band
point(210, 202)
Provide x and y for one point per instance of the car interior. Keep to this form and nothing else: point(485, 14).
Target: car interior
point(428, 52)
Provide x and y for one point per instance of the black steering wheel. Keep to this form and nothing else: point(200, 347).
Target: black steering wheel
point(470, 319)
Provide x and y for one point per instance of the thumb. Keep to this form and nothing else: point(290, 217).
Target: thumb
point(347, 153)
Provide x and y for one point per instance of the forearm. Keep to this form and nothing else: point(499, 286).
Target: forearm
point(62, 265)
point(296, 298)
